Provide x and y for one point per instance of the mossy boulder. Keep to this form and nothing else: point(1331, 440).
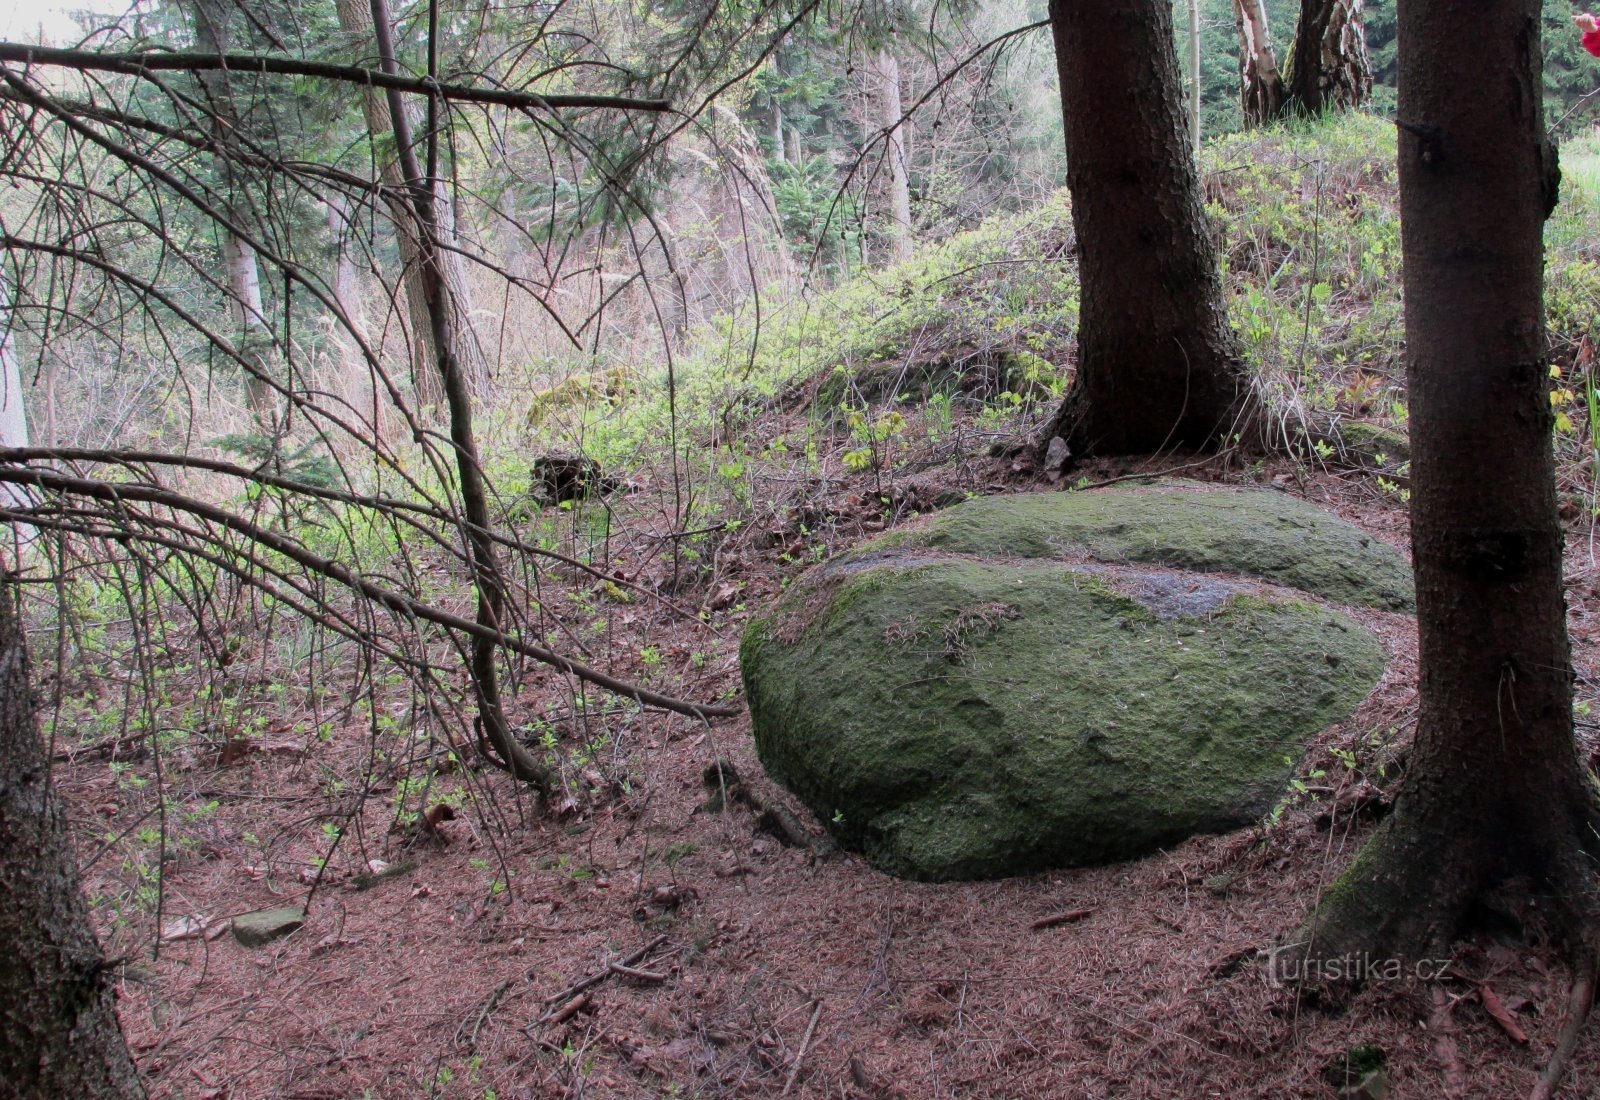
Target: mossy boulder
point(973, 711)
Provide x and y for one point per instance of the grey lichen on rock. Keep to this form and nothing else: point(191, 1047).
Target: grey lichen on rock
point(956, 716)
point(266, 925)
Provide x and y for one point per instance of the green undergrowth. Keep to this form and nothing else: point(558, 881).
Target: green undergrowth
point(1307, 220)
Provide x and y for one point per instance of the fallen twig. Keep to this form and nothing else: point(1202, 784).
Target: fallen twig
point(1069, 917)
point(639, 975)
point(481, 1015)
point(1445, 1047)
point(569, 994)
point(805, 1043)
point(570, 1009)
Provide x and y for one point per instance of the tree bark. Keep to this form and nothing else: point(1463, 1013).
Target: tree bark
point(1494, 792)
point(355, 18)
point(59, 1034)
point(1329, 69)
point(1157, 365)
point(895, 153)
point(1260, 81)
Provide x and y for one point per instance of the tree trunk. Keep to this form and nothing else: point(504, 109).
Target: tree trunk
point(1329, 69)
point(13, 408)
point(1195, 80)
point(59, 1034)
point(1494, 792)
point(1260, 82)
point(895, 153)
point(1157, 366)
point(355, 18)
point(213, 35)
point(487, 581)
point(13, 413)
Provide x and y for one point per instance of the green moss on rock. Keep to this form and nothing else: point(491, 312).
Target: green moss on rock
point(953, 717)
point(1255, 532)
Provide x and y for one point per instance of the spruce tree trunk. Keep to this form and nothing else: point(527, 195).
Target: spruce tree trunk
point(59, 1035)
point(1260, 81)
point(1329, 69)
point(1494, 789)
point(1157, 366)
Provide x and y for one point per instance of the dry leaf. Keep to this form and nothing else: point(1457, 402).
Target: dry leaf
point(1508, 1023)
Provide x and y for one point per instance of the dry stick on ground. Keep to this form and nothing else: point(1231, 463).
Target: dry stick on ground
point(1070, 916)
point(805, 1043)
point(567, 995)
point(1578, 1006)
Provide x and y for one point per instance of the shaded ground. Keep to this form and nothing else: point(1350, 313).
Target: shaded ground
point(769, 971)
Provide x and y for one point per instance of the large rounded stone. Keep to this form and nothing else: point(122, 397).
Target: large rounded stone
point(955, 705)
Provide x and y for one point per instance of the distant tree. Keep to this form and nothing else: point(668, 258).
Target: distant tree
point(59, 1034)
point(1157, 364)
point(1328, 68)
point(1260, 80)
point(355, 19)
point(1495, 800)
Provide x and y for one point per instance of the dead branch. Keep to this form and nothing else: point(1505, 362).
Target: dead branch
point(573, 991)
point(1071, 916)
point(143, 62)
point(390, 600)
point(805, 1044)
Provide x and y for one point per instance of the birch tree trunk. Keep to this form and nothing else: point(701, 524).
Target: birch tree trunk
point(1329, 69)
point(1194, 75)
point(212, 35)
point(1260, 81)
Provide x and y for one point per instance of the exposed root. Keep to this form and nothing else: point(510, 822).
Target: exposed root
point(1579, 1003)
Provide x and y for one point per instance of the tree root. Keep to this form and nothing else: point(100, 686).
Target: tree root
point(1579, 1003)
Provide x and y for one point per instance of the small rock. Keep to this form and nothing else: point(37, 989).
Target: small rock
point(1055, 457)
point(255, 929)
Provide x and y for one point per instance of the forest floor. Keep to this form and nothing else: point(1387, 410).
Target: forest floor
point(478, 962)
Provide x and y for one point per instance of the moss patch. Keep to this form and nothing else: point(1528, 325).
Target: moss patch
point(1258, 533)
point(957, 719)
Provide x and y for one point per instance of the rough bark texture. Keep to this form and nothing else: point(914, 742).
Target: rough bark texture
point(1494, 792)
point(1157, 367)
point(1260, 81)
point(59, 1034)
point(355, 18)
point(1329, 69)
